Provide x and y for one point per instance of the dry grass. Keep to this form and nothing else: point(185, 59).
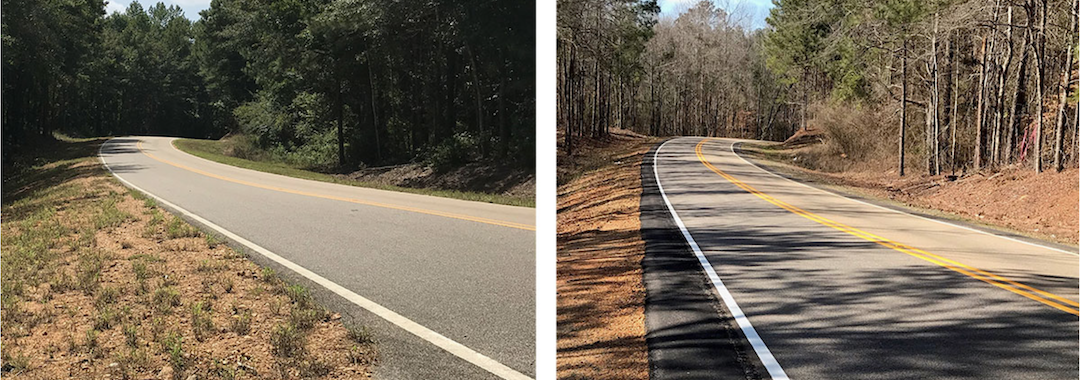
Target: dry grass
point(99, 282)
point(601, 316)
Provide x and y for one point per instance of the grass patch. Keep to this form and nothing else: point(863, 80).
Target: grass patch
point(287, 341)
point(177, 228)
point(213, 150)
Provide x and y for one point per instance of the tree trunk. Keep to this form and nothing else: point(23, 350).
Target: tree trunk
point(338, 107)
point(903, 103)
point(954, 120)
point(999, 117)
point(1040, 63)
point(936, 169)
point(1059, 130)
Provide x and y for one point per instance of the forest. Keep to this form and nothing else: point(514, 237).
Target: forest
point(327, 84)
point(929, 85)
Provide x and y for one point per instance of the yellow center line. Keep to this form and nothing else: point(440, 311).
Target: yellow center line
point(1042, 296)
point(350, 200)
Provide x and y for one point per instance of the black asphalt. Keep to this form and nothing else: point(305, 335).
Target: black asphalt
point(689, 333)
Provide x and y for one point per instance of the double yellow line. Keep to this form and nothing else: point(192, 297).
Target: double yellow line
point(1042, 296)
point(343, 199)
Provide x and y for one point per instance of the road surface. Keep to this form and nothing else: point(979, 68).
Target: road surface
point(448, 285)
point(830, 287)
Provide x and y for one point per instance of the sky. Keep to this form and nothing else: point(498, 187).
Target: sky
point(751, 13)
point(191, 7)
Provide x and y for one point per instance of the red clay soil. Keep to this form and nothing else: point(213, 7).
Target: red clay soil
point(1043, 206)
point(601, 296)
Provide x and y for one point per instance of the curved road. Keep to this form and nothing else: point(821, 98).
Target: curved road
point(448, 285)
point(838, 288)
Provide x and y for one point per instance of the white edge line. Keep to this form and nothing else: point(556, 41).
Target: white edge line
point(756, 166)
point(762, 351)
point(455, 348)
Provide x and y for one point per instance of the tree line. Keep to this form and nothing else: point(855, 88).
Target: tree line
point(328, 84)
point(961, 84)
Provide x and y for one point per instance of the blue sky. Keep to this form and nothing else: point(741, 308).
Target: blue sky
point(191, 7)
point(750, 12)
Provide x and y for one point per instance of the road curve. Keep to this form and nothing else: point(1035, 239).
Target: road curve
point(839, 288)
point(451, 268)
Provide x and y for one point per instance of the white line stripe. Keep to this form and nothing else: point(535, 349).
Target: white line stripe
point(762, 351)
point(895, 210)
point(458, 349)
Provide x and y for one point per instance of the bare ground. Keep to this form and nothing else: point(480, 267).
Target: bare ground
point(1015, 199)
point(601, 296)
point(99, 282)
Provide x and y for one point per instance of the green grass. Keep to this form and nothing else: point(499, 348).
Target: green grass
point(212, 150)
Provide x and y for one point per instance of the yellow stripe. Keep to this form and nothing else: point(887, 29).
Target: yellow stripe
point(1042, 296)
point(350, 200)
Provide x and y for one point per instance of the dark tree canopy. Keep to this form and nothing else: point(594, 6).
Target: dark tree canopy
point(324, 84)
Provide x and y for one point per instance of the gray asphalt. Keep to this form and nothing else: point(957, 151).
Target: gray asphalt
point(471, 281)
point(830, 305)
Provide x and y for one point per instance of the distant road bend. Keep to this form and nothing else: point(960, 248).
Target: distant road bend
point(446, 284)
point(821, 286)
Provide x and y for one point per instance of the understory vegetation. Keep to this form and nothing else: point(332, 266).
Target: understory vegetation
point(230, 151)
point(100, 282)
point(930, 87)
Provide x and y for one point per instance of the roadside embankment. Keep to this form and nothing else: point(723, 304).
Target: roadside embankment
point(601, 317)
point(101, 282)
point(1013, 199)
point(476, 181)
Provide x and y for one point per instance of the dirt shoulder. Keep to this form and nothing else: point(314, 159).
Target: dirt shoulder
point(100, 282)
point(1014, 200)
point(601, 296)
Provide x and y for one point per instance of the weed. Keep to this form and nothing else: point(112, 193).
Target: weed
point(110, 215)
point(299, 295)
point(360, 334)
point(227, 284)
point(314, 368)
point(136, 360)
point(269, 276)
point(177, 228)
point(212, 241)
point(105, 319)
point(157, 326)
point(140, 269)
point(304, 318)
point(241, 323)
point(275, 306)
point(131, 335)
point(165, 299)
point(91, 341)
point(287, 341)
point(14, 364)
point(224, 371)
point(106, 296)
point(211, 266)
point(173, 345)
point(201, 323)
point(89, 273)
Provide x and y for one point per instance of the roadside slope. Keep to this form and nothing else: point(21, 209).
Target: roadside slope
point(1015, 199)
point(99, 281)
point(601, 318)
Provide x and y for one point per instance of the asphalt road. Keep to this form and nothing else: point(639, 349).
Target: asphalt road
point(836, 288)
point(462, 270)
